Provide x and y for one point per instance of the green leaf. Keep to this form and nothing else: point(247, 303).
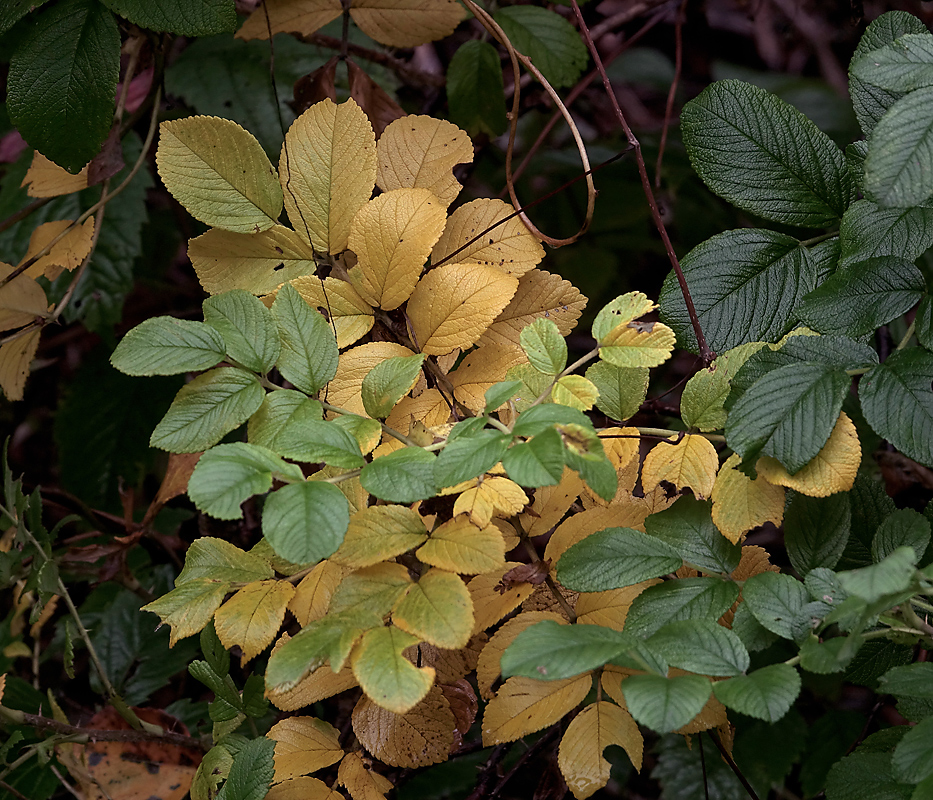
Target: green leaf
point(788, 414)
point(594, 467)
point(168, 346)
point(229, 474)
point(314, 441)
point(687, 526)
point(13, 11)
point(816, 530)
point(665, 704)
point(306, 522)
point(62, 81)
point(891, 575)
point(862, 775)
point(899, 67)
point(824, 658)
point(900, 155)
point(403, 476)
point(475, 94)
point(544, 346)
point(736, 134)
point(913, 680)
point(622, 390)
point(207, 409)
point(702, 404)
point(390, 679)
point(897, 401)
point(540, 417)
point(309, 350)
point(216, 655)
point(766, 693)
point(863, 296)
point(550, 651)
point(552, 43)
point(537, 462)
point(499, 393)
point(777, 601)
point(924, 322)
point(252, 771)
point(745, 285)
point(279, 411)
point(247, 328)
point(752, 633)
point(468, 456)
point(221, 562)
point(868, 231)
point(902, 528)
point(680, 599)
point(613, 558)
point(870, 102)
point(701, 646)
point(388, 382)
point(178, 16)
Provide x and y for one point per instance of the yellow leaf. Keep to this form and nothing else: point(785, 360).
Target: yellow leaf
point(543, 599)
point(580, 756)
point(356, 495)
point(304, 745)
point(831, 470)
point(452, 305)
point(21, 301)
point(328, 170)
point(389, 679)
point(509, 247)
point(575, 391)
point(609, 608)
point(66, 254)
point(621, 446)
point(449, 665)
point(491, 605)
point(627, 307)
point(487, 668)
point(406, 23)
point(15, 358)
point(551, 503)
point(580, 525)
point(318, 685)
point(377, 589)
point(429, 408)
point(421, 152)
point(539, 294)
point(689, 463)
point(418, 738)
point(220, 173)
point(345, 390)
point(349, 313)
point(303, 788)
point(379, 533)
point(480, 370)
point(525, 705)
point(460, 546)
point(488, 496)
point(46, 179)
point(638, 344)
point(740, 503)
point(253, 616)
point(361, 783)
point(256, 262)
point(289, 16)
point(189, 607)
point(392, 236)
point(312, 596)
point(437, 609)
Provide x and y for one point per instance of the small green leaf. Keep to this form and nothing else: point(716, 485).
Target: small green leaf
point(680, 599)
point(205, 18)
point(594, 467)
point(216, 655)
point(544, 346)
point(688, 527)
point(816, 530)
point(902, 528)
point(388, 382)
point(897, 401)
point(499, 393)
point(168, 346)
point(541, 417)
point(306, 522)
point(891, 575)
point(313, 441)
point(752, 633)
point(551, 42)
point(403, 476)
point(281, 410)
point(701, 646)
point(247, 328)
point(777, 601)
point(387, 677)
point(468, 456)
point(665, 704)
point(537, 462)
point(767, 693)
point(252, 771)
point(207, 409)
point(622, 390)
point(702, 404)
point(735, 133)
point(900, 67)
point(475, 93)
point(229, 474)
point(309, 350)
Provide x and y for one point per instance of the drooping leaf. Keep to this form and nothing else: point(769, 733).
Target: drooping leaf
point(892, 574)
point(205, 19)
point(741, 504)
point(665, 704)
point(547, 39)
point(306, 522)
point(168, 346)
point(765, 693)
point(189, 607)
point(475, 93)
point(309, 353)
point(389, 679)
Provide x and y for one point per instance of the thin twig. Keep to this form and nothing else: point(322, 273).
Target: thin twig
point(672, 92)
point(24, 212)
point(733, 766)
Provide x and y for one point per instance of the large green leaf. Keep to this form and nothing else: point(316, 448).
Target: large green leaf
point(306, 522)
point(474, 89)
point(913, 680)
point(665, 704)
point(764, 156)
point(900, 67)
point(701, 646)
point(913, 756)
point(777, 601)
point(252, 771)
point(688, 527)
point(789, 414)
point(207, 409)
point(680, 599)
point(622, 390)
point(469, 456)
point(866, 774)
point(203, 18)
point(924, 322)
point(63, 76)
point(902, 528)
point(542, 417)
point(247, 327)
point(744, 284)
point(816, 530)
point(537, 462)
point(168, 346)
point(766, 693)
point(404, 476)
point(552, 43)
point(868, 230)
point(309, 349)
point(615, 557)
point(897, 401)
point(13, 11)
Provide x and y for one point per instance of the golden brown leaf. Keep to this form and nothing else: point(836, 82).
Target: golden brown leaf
point(379, 533)
point(551, 503)
point(21, 300)
point(406, 23)
point(253, 616)
point(609, 608)
point(490, 495)
point(45, 178)
point(15, 359)
point(360, 782)
point(460, 546)
point(66, 254)
point(526, 705)
point(740, 503)
point(289, 16)
point(578, 526)
point(304, 745)
point(312, 596)
point(479, 371)
point(487, 668)
point(690, 463)
point(345, 390)
point(303, 788)
point(429, 408)
point(489, 606)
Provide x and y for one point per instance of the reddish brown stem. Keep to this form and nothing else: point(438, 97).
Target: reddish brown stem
point(672, 92)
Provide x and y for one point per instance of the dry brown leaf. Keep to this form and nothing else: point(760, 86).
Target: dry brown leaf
point(360, 782)
point(66, 254)
point(45, 178)
point(489, 606)
point(379, 106)
point(464, 705)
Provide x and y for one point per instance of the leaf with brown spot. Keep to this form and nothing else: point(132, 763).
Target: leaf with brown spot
point(360, 782)
point(489, 606)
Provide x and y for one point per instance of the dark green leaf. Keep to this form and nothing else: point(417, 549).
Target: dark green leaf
point(247, 327)
point(469, 456)
point(826, 657)
point(891, 575)
point(475, 91)
point(252, 771)
point(687, 773)
point(913, 680)
point(63, 76)
point(552, 43)
point(745, 285)
point(306, 522)
point(766, 693)
point(913, 757)
point(762, 155)
point(615, 557)
point(404, 476)
point(753, 634)
point(665, 704)
point(216, 655)
point(701, 646)
point(900, 67)
point(388, 382)
point(777, 601)
point(622, 390)
point(541, 417)
point(828, 740)
point(314, 441)
point(924, 322)
point(902, 528)
point(862, 775)
point(168, 346)
point(595, 469)
point(688, 527)
point(207, 409)
point(14, 10)
point(868, 231)
point(683, 598)
point(499, 393)
point(537, 462)
point(897, 400)
point(816, 530)
point(281, 410)
point(309, 350)
point(203, 18)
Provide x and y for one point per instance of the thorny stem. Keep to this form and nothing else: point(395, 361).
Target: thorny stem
point(706, 354)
